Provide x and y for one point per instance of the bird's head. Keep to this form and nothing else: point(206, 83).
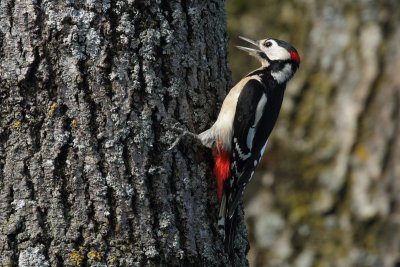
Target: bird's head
point(277, 54)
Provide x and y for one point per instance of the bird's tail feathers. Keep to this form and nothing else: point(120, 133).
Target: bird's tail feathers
point(226, 225)
point(230, 233)
point(221, 217)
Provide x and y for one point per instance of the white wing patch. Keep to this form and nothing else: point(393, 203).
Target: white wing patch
point(263, 148)
point(260, 109)
point(240, 153)
point(250, 137)
point(251, 176)
point(252, 130)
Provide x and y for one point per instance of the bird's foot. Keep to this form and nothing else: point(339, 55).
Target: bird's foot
point(182, 134)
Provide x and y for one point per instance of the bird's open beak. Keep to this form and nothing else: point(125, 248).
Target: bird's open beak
point(251, 51)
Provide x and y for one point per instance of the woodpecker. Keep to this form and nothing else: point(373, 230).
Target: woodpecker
point(248, 114)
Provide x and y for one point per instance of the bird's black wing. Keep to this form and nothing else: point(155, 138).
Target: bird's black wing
point(246, 141)
point(250, 107)
point(257, 110)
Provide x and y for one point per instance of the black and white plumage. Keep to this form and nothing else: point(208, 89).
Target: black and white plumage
point(247, 117)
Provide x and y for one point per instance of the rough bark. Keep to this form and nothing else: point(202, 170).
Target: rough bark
point(91, 93)
point(330, 186)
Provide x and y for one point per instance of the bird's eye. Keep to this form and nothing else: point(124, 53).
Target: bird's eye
point(268, 43)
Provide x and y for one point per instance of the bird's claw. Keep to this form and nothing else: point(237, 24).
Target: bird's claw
point(179, 138)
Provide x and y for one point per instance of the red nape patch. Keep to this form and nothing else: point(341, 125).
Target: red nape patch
point(221, 169)
point(294, 56)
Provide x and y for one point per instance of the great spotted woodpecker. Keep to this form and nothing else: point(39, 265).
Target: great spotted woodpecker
point(248, 114)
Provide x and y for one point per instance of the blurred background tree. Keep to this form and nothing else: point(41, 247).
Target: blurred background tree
point(327, 192)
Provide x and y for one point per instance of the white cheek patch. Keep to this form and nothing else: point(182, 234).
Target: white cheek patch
point(283, 75)
point(276, 52)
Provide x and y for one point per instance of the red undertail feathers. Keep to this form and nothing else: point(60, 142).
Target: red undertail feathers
point(221, 168)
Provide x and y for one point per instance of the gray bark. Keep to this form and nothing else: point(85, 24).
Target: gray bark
point(90, 95)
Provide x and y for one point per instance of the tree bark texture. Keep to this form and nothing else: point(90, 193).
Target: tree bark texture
point(330, 186)
point(91, 95)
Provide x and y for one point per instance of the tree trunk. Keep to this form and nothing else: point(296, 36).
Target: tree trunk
point(330, 187)
point(92, 93)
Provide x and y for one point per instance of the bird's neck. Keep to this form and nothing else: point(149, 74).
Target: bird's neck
point(274, 75)
point(281, 72)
